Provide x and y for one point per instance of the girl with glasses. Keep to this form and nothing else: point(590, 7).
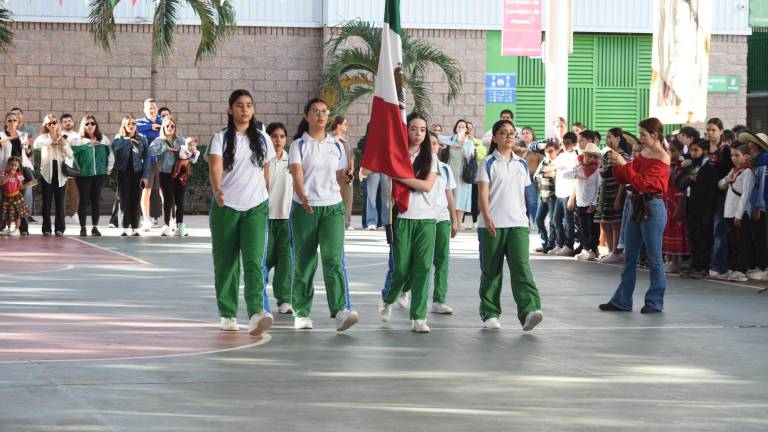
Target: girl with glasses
point(54, 148)
point(94, 158)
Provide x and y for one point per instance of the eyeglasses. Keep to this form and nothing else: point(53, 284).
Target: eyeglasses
point(90, 123)
point(170, 126)
point(11, 121)
point(320, 112)
point(505, 134)
point(52, 123)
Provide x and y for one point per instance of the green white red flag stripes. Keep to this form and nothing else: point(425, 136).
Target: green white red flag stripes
point(387, 148)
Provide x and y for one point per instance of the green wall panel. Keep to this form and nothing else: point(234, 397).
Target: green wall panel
point(580, 105)
point(495, 63)
point(581, 65)
point(757, 60)
point(530, 108)
point(616, 61)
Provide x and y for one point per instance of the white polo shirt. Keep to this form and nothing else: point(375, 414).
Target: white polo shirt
point(446, 182)
point(423, 205)
point(564, 164)
point(280, 187)
point(587, 188)
point(320, 161)
point(243, 186)
point(507, 180)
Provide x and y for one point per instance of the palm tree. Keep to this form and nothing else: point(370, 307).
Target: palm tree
point(217, 18)
point(6, 34)
point(351, 70)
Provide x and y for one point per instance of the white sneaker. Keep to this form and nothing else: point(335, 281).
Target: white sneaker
point(721, 276)
point(441, 308)
point(737, 276)
point(583, 256)
point(492, 324)
point(146, 225)
point(5, 232)
point(346, 319)
point(229, 324)
point(172, 224)
point(285, 308)
point(565, 251)
point(532, 320)
point(757, 274)
point(14, 233)
point(371, 228)
point(302, 323)
point(111, 226)
point(350, 228)
point(166, 231)
point(419, 326)
point(385, 311)
point(555, 250)
point(591, 256)
point(126, 232)
point(404, 300)
point(259, 323)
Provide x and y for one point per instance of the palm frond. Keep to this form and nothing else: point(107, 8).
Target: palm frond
point(6, 34)
point(421, 55)
point(102, 19)
point(164, 28)
point(346, 61)
point(419, 90)
point(348, 97)
point(216, 22)
point(365, 31)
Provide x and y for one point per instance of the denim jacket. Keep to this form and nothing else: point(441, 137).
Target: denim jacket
point(166, 159)
point(123, 149)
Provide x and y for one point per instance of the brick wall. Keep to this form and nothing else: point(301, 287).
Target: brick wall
point(728, 56)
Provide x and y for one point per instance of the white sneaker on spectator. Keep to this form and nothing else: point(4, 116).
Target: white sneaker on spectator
point(350, 228)
point(554, 250)
point(111, 225)
point(173, 224)
point(385, 311)
point(419, 326)
point(441, 308)
point(126, 232)
point(583, 256)
point(14, 233)
point(591, 256)
point(371, 228)
point(146, 225)
point(404, 300)
point(492, 324)
point(737, 276)
point(5, 232)
point(285, 308)
point(611, 258)
point(346, 319)
point(259, 323)
point(532, 320)
point(166, 231)
point(721, 276)
point(302, 323)
point(229, 324)
point(565, 251)
point(757, 274)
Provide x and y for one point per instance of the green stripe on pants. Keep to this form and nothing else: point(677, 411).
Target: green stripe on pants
point(511, 243)
point(442, 251)
point(325, 226)
point(236, 234)
point(279, 258)
point(411, 258)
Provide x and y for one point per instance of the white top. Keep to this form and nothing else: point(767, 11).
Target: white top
point(243, 186)
point(507, 180)
point(446, 182)
point(320, 161)
point(564, 165)
point(280, 187)
point(735, 205)
point(586, 187)
point(423, 205)
point(50, 153)
point(6, 150)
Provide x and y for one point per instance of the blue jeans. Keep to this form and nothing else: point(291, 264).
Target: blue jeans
point(532, 201)
point(548, 238)
point(719, 262)
point(374, 183)
point(648, 233)
point(564, 223)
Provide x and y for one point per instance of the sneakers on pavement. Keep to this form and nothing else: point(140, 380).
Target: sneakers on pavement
point(229, 324)
point(492, 324)
point(441, 308)
point(259, 323)
point(404, 300)
point(419, 326)
point(166, 231)
point(385, 311)
point(532, 320)
point(737, 276)
point(285, 309)
point(346, 319)
point(302, 323)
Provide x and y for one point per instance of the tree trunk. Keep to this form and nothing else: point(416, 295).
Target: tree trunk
point(153, 78)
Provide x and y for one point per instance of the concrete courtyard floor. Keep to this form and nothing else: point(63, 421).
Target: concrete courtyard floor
point(121, 334)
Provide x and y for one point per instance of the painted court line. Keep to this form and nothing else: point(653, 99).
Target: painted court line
point(110, 251)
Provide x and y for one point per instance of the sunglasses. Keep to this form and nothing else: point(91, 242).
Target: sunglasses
point(170, 126)
point(11, 121)
point(52, 123)
point(90, 123)
point(131, 124)
point(320, 112)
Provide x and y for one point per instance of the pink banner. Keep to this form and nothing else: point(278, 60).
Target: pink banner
point(521, 30)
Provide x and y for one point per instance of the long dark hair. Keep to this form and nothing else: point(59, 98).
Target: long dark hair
point(623, 143)
point(254, 136)
point(304, 125)
point(495, 129)
point(423, 162)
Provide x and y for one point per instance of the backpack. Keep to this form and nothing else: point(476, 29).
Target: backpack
point(469, 170)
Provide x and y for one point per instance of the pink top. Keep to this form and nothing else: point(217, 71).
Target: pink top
point(12, 187)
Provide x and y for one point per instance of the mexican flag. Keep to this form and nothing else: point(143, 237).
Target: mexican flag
point(387, 148)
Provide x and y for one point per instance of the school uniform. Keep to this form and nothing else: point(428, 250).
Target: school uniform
point(445, 183)
point(411, 253)
point(319, 159)
point(239, 228)
point(279, 244)
point(507, 179)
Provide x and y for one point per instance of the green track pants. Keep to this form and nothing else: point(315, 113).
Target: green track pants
point(511, 243)
point(442, 252)
point(410, 262)
point(237, 235)
point(279, 258)
point(325, 226)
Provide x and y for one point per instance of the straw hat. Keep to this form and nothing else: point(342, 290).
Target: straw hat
point(593, 149)
point(759, 139)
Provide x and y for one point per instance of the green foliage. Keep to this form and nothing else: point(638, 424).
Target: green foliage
point(6, 34)
point(351, 70)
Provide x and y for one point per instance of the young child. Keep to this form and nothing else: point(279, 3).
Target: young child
point(13, 208)
point(758, 145)
point(183, 168)
point(675, 241)
point(545, 177)
point(739, 184)
point(584, 200)
point(280, 198)
point(699, 180)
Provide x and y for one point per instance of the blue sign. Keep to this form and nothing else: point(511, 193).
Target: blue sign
point(500, 88)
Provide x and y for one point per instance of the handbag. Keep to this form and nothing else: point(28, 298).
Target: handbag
point(469, 170)
point(68, 168)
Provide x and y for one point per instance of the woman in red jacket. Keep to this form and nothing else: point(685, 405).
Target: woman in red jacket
point(648, 174)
